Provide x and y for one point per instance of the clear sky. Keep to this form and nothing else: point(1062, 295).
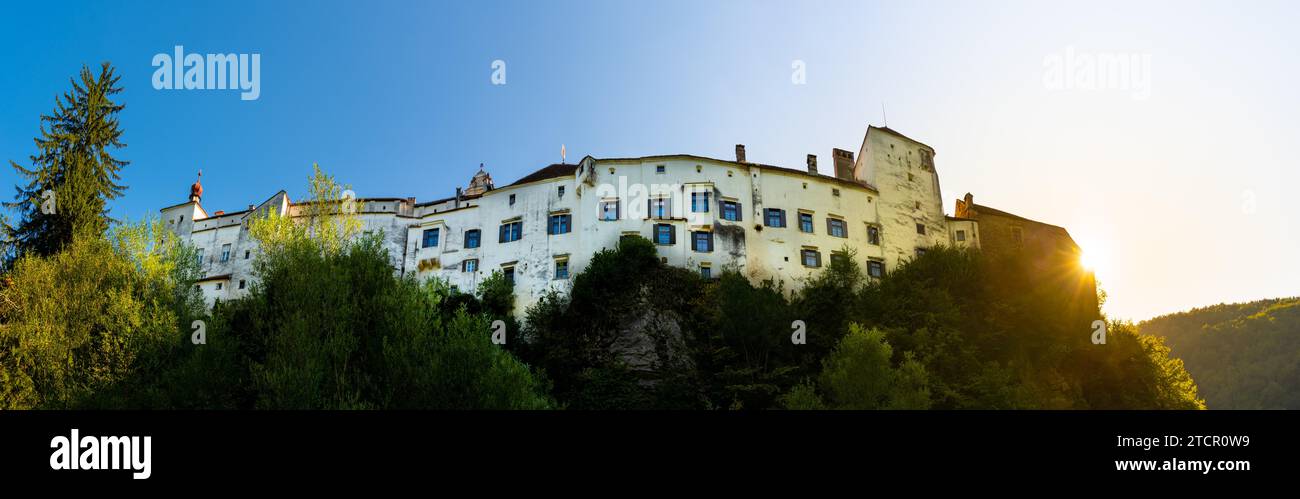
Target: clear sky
point(1175, 176)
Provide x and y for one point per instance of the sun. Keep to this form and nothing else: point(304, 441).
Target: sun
point(1094, 256)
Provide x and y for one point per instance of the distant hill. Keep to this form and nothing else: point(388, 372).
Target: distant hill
point(1242, 356)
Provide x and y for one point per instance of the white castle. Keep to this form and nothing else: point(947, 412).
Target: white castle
point(702, 213)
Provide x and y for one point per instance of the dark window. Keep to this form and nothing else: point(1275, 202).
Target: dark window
point(775, 217)
point(247, 254)
point(561, 269)
point(920, 252)
point(509, 273)
point(836, 227)
point(219, 285)
point(511, 231)
point(699, 202)
point(706, 272)
point(876, 268)
point(731, 211)
point(660, 169)
point(961, 235)
point(609, 210)
point(200, 256)
point(920, 229)
point(665, 234)
point(512, 200)
point(561, 191)
point(702, 241)
point(472, 238)
point(470, 265)
point(806, 222)
point(225, 252)
point(560, 224)
point(241, 284)
point(835, 192)
point(811, 258)
point(430, 238)
point(873, 235)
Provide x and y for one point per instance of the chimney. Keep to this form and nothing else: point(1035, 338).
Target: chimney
point(219, 213)
point(740, 153)
point(250, 207)
point(843, 163)
point(812, 164)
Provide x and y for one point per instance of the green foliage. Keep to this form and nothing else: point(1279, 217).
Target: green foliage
point(133, 295)
point(859, 375)
point(1243, 356)
point(75, 162)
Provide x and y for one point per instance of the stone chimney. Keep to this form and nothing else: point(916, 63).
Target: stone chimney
point(812, 164)
point(843, 163)
point(740, 153)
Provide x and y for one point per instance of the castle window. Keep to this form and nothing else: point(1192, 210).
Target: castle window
point(659, 208)
point(706, 272)
point(811, 258)
point(219, 286)
point(665, 234)
point(961, 235)
point(430, 238)
point(875, 268)
point(241, 284)
point(775, 217)
point(247, 254)
point(200, 256)
point(920, 229)
point(560, 224)
point(731, 211)
point(918, 205)
point(839, 257)
point(560, 191)
point(873, 235)
point(660, 169)
point(911, 177)
point(699, 202)
point(472, 238)
point(225, 253)
point(511, 231)
point(609, 210)
point(512, 200)
point(806, 222)
point(836, 227)
point(470, 265)
point(509, 273)
point(562, 268)
point(835, 192)
point(702, 241)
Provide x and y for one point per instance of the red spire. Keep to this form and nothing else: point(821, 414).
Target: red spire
point(196, 190)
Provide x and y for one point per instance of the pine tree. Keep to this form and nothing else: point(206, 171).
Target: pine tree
point(74, 174)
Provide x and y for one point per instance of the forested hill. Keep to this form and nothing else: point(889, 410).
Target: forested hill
point(1243, 356)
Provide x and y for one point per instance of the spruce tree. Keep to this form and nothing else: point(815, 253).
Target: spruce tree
point(74, 173)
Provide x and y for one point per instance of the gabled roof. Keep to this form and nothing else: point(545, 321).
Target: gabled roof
point(546, 173)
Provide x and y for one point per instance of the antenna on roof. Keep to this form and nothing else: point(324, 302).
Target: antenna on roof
point(884, 115)
point(561, 153)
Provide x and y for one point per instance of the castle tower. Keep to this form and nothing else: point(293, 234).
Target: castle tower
point(481, 183)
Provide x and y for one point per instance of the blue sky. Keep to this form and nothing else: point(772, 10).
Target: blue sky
point(1183, 195)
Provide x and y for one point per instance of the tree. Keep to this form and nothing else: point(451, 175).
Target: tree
point(859, 375)
point(102, 316)
point(74, 173)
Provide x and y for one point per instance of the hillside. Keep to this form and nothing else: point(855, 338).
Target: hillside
point(1243, 356)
